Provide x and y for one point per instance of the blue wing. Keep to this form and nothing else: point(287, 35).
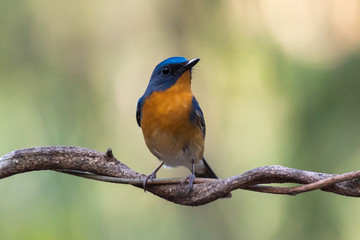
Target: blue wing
point(139, 110)
point(197, 117)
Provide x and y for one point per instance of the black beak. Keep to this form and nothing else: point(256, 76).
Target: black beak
point(191, 63)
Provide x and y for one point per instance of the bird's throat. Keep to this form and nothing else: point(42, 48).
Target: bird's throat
point(183, 84)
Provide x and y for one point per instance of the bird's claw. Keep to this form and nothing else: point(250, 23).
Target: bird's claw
point(151, 177)
point(191, 179)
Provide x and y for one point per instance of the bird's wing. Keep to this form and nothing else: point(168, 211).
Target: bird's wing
point(197, 116)
point(139, 110)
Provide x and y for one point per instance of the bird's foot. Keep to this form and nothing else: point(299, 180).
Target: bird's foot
point(191, 179)
point(151, 177)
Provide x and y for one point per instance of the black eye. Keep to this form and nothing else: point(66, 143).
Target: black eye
point(165, 70)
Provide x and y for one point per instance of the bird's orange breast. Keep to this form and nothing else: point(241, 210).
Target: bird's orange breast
point(169, 109)
point(165, 120)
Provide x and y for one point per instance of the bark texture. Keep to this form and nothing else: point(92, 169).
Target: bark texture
point(95, 165)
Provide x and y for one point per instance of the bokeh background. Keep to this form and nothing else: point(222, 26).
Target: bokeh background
point(278, 82)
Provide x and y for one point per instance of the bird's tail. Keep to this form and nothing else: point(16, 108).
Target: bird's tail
point(206, 172)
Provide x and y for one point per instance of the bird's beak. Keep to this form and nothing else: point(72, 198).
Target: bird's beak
point(191, 63)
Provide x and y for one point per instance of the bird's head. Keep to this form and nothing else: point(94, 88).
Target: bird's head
point(169, 71)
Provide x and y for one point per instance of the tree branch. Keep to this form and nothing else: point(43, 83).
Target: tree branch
point(91, 164)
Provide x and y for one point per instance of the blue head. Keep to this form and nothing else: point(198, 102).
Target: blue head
point(164, 76)
point(168, 72)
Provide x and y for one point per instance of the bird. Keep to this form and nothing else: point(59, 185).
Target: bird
point(172, 121)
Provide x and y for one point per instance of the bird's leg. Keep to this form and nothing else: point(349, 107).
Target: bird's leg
point(152, 175)
point(191, 177)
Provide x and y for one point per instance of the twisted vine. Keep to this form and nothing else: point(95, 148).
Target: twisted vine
point(98, 166)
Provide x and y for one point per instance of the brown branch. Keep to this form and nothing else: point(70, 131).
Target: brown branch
point(91, 164)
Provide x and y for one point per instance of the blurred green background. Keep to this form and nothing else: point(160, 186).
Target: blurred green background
point(278, 82)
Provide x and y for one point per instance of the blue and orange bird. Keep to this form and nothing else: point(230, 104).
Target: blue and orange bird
point(171, 119)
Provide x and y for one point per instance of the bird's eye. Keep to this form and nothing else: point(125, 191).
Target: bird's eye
point(165, 70)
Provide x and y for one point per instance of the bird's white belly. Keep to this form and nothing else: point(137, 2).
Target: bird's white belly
point(175, 150)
